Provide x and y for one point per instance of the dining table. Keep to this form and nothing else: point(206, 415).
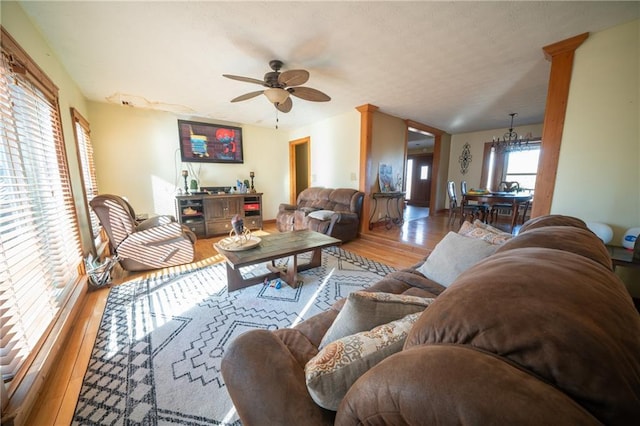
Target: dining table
point(491, 198)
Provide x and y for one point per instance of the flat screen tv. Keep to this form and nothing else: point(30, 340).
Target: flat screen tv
point(210, 143)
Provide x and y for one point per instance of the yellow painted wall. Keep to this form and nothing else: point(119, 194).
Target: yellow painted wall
point(476, 141)
point(335, 151)
point(137, 155)
point(599, 167)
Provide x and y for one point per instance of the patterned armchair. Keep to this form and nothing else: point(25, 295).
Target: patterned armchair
point(155, 243)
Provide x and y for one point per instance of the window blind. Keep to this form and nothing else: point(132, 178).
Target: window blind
point(40, 249)
point(87, 165)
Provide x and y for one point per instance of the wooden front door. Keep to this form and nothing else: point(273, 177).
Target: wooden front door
point(421, 180)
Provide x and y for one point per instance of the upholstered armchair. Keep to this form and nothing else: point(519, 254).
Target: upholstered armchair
point(157, 242)
point(334, 212)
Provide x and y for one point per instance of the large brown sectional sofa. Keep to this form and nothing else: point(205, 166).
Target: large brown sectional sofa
point(541, 331)
point(334, 212)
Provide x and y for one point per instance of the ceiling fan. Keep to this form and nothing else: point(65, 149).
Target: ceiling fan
point(279, 85)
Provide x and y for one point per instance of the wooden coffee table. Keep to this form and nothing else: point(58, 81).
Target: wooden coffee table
point(272, 247)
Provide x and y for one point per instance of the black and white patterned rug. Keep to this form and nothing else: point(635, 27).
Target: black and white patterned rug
point(157, 354)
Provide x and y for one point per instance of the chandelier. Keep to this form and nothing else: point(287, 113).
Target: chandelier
point(511, 141)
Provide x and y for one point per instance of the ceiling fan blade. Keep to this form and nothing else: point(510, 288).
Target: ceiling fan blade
point(285, 106)
point(293, 77)
point(247, 96)
point(245, 79)
point(309, 94)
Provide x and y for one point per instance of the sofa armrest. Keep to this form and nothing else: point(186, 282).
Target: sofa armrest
point(266, 381)
point(287, 207)
point(424, 384)
point(344, 217)
point(154, 221)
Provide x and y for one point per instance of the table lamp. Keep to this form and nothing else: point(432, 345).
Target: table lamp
point(186, 187)
point(252, 175)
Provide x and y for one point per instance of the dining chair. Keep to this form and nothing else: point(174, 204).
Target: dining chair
point(469, 210)
point(506, 208)
point(483, 209)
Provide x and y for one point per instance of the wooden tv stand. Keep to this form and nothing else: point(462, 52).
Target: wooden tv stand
point(209, 215)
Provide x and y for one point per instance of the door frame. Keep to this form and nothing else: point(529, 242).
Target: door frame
point(293, 162)
point(437, 151)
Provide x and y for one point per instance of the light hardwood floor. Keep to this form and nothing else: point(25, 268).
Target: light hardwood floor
point(399, 247)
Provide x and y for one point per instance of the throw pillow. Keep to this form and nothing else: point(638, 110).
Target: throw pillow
point(322, 214)
point(480, 224)
point(484, 232)
point(330, 374)
point(364, 310)
point(454, 255)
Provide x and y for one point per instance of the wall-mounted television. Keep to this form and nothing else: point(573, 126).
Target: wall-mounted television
point(210, 143)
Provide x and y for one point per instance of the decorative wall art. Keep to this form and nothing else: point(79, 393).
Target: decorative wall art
point(385, 178)
point(210, 143)
point(465, 158)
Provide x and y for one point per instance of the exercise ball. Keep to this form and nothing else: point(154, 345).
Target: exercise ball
point(629, 238)
point(602, 230)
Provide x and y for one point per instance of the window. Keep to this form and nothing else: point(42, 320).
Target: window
point(522, 167)
point(424, 172)
point(511, 166)
point(87, 165)
point(40, 254)
point(409, 179)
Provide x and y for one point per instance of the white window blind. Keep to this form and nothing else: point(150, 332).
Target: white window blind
point(87, 165)
point(40, 249)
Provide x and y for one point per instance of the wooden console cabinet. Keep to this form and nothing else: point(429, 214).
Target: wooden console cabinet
point(209, 215)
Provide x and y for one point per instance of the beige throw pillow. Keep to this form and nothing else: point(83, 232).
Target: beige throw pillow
point(485, 232)
point(330, 374)
point(364, 310)
point(454, 255)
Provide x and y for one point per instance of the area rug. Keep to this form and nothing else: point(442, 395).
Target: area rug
point(158, 350)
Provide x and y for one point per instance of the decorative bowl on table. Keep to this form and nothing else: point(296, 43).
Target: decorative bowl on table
point(235, 244)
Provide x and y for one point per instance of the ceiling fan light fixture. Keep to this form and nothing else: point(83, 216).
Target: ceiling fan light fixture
point(276, 95)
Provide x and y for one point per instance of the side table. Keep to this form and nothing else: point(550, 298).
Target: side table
point(621, 256)
point(388, 219)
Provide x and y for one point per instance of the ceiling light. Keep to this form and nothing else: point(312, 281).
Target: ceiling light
point(510, 140)
point(276, 95)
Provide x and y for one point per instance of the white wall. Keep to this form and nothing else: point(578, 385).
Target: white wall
point(335, 151)
point(138, 156)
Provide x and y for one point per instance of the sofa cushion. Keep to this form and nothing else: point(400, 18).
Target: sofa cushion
point(453, 255)
point(485, 232)
point(330, 374)
point(321, 214)
point(364, 310)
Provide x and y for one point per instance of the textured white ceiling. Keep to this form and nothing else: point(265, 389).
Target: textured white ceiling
point(457, 66)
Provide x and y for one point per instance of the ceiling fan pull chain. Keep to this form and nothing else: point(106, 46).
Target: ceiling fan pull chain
point(277, 118)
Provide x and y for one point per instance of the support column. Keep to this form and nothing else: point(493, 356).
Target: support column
point(366, 138)
point(561, 56)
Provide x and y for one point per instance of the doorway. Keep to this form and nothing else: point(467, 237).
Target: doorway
point(299, 167)
point(419, 178)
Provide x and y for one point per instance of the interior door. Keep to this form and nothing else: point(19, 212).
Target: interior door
point(421, 180)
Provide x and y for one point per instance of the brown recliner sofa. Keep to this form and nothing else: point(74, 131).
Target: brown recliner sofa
point(540, 332)
point(334, 212)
